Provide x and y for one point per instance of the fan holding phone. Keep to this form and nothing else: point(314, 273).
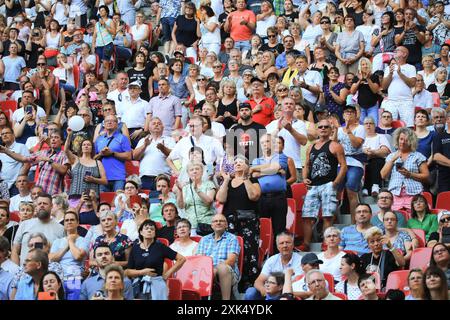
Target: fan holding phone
point(27, 126)
point(51, 287)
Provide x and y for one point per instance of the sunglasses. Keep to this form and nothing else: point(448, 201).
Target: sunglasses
point(201, 79)
point(444, 220)
point(323, 127)
point(41, 64)
point(217, 67)
point(271, 36)
point(282, 90)
point(325, 22)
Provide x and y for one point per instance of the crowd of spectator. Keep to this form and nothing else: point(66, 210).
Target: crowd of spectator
point(135, 135)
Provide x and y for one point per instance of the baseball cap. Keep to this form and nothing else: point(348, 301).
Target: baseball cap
point(135, 84)
point(350, 106)
point(245, 104)
point(178, 52)
point(311, 258)
point(443, 213)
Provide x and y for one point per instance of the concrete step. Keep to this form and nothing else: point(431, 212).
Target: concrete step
point(369, 200)
point(345, 219)
point(315, 247)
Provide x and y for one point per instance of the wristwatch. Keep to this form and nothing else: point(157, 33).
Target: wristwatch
point(50, 161)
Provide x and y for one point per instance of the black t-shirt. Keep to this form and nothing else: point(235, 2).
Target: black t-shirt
point(186, 31)
point(413, 44)
point(153, 257)
point(278, 49)
point(222, 18)
point(358, 18)
point(33, 55)
point(366, 98)
point(246, 139)
point(237, 199)
point(290, 17)
point(79, 136)
point(142, 76)
point(441, 144)
point(389, 264)
point(167, 233)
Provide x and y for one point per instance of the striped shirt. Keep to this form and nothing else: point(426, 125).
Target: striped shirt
point(49, 179)
point(354, 240)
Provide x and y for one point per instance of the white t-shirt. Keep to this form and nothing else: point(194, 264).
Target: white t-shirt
point(376, 142)
point(65, 75)
point(424, 99)
point(262, 25)
point(153, 162)
point(139, 32)
point(15, 201)
point(344, 140)
point(59, 13)
point(332, 265)
point(208, 36)
point(398, 89)
point(19, 114)
point(367, 32)
point(185, 251)
point(218, 130)
point(291, 146)
point(427, 79)
point(131, 229)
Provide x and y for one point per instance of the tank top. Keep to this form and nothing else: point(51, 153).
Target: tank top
point(28, 131)
point(78, 185)
point(231, 108)
point(178, 89)
point(323, 165)
point(103, 36)
point(52, 42)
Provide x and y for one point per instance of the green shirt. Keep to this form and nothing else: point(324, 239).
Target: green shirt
point(200, 212)
point(429, 224)
point(156, 210)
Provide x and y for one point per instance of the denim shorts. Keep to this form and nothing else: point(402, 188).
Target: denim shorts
point(323, 196)
point(105, 52)
point(353, 178)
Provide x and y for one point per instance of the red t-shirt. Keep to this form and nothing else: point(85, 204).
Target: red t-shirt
point(238, 31)
point(265, 116)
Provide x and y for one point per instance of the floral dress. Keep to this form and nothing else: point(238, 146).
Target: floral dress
point(118, 247)
point(333, 106)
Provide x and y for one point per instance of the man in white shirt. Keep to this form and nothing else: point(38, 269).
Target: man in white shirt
point(27, 99)
point(422, 97)
point(131, 111)
point(121, 92)
point(22, 185)
point(152, 151)
point(399, 79)
point(292, 131)
point(218, 130)
point(11, 168)
point(212, 149)
point(310, 81)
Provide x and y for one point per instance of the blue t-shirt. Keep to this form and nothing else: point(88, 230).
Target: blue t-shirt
point(274, 182)
point(13, 68)
point(425, 144)
point(71, 267)
point(115, 168)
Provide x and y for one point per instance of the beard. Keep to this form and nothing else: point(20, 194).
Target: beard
point(43, 215)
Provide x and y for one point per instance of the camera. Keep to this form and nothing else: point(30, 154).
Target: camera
point(38, 245)
point(29, 109)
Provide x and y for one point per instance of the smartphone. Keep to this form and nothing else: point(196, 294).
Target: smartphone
point(399, 165)
point(154, 197)
point(45, 132)
point(51, 295)
point(445, 235)
point(87, 173)
point(29, 109)
point(38, 245)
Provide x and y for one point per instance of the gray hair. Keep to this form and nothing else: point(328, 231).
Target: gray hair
point(88, 110)
point(134, 178)
point(61, 200)
point(410, 136)
point(108, 213)
point(284, 234)
point(38, 235)
point(311, 272)
point(439, 70)
point(330, 230)
point(193, 164)
point(371, 232)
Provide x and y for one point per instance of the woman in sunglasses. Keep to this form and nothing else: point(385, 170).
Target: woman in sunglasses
point(444, 222)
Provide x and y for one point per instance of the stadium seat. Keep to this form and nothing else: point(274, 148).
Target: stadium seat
point(299, 191)
point(429, 198)
point(196, 238)
point(420, 258)
point(398, 124)
point(398, 280)
point(107, 197)
point(341, 295)
point(266, 237)
point(97, 66)
point(175, 292)
point(405, 214)
point(76, 75)
point(8, 107)
point(443, 200)
point(420, 234)
point(197, 274)
point(14, 216)
point(291, 216)
point(435, 211)
point(158, 225)
point(164, 241)
point(351, 251)
point(436, 99)
point(132, 167)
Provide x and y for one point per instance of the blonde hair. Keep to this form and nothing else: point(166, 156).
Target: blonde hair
point(410, 136)
point(372, 232)
point(367, 61)
point(227, 82)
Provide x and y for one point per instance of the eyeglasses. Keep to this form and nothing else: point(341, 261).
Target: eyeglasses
point(107, 109)
point(201, 79)
point(325, 22)
point(323, 127)
point(386, 117)
point(271, 36)
point(217, 66)
point(444, 220)
point(316, 281)
point(6, 133)
point(282, 90)
point(41, 64)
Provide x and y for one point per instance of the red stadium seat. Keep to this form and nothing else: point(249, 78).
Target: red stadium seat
point(132, 167)
point(443, 200)
point(429, 198)
point(420, 234)
point(175, 292)
point(328, 277)
point(197, 274)
point(241, 254)
point(435, 211)
point(14, 216)
point(158, 225)
point(164, 241)
point(86, 226)
point(398, 124)
point(8, 107)
point(76, 75)
point(190, 295)
point(398, 280)
point(291, 216)
point(420, 258)
point(196, 238)
point(266, 237)
point(299, 191)
point(436, 99)
point(405, 214)
point(107, 197)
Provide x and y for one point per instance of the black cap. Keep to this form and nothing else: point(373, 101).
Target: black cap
point(311, 258)
point(256, 79)
point(245, 104)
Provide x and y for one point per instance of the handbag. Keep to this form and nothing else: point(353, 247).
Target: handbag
point(50, 53)
point(244, 215)
point(203, 229)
